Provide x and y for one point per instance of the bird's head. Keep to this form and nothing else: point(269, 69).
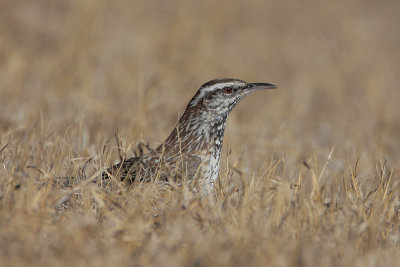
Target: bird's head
point(220, 96)
point(206, 113)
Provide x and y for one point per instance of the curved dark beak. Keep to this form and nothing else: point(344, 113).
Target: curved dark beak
point(261, 86)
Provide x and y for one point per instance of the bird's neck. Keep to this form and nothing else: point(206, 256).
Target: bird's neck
point(198, 132)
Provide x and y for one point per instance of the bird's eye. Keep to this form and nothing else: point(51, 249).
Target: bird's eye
point(228, 90)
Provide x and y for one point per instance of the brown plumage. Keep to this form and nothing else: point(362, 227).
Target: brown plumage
point(194, 146)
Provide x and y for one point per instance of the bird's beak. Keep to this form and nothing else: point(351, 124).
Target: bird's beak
point(260, 86)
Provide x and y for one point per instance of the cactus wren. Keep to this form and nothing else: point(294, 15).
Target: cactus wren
point(193, 148)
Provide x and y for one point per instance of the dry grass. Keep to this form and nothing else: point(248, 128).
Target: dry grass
point(310, 172)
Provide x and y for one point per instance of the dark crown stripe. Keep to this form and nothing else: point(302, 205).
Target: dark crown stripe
point(217, 81)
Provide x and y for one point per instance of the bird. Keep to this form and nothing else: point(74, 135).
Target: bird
point(193, 149)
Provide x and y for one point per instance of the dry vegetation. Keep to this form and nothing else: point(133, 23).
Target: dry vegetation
point(310, 172)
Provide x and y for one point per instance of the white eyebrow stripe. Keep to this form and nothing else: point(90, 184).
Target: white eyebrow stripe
point(205, 90)
point(218, 86)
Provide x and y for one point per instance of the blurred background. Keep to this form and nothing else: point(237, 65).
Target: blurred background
point(91, 68)
point(75, 73)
